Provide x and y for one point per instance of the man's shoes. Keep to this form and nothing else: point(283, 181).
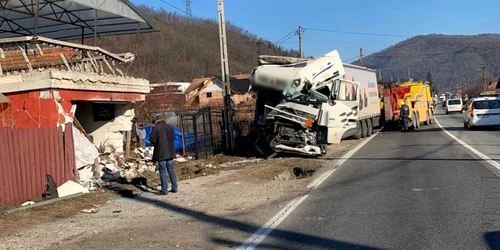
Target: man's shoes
point(174, 191)
point(161, 193)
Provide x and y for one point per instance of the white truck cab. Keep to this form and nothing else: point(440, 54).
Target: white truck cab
point(299, 113)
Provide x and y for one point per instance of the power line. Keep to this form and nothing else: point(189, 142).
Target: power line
point(356, 33)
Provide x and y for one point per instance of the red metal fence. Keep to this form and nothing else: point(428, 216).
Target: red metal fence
point(27, 155)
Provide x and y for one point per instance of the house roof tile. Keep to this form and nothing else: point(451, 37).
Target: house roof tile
point(14, 59)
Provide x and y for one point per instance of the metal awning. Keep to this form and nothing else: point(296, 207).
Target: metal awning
point(70, 19)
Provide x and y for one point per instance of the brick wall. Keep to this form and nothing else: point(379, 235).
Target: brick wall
point(215, 95)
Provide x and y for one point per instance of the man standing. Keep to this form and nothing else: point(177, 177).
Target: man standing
point(404, 114)
point(141, 136)
point(162, 137)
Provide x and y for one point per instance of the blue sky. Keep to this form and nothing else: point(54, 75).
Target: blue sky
point(273, 19)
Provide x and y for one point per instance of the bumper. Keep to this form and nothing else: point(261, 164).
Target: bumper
point(306, 150)
point(480, 123)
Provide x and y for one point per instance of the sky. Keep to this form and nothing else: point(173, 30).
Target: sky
point(383, 22)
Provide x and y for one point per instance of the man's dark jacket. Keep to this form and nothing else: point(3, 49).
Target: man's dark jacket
point(162, 137)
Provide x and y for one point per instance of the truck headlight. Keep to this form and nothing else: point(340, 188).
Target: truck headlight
point(296, 83)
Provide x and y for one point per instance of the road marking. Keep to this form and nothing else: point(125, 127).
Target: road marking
point(475, 151)
point(263, 232)
point(315, 184)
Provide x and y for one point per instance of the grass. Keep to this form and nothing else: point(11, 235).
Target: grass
point(14, 223)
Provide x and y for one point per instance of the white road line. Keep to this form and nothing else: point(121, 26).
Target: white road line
point(263, 232)
point(344, 158)
point(475, 151)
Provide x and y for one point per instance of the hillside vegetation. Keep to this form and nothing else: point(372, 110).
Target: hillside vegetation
point(186, 48)
point(449, 59)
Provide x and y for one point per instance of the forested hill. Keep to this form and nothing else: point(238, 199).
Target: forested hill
point(449, 59)
point(186, 48)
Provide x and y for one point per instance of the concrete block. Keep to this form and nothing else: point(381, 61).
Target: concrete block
point(71, 188)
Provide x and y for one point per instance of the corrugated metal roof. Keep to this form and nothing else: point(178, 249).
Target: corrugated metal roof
point(67, 19)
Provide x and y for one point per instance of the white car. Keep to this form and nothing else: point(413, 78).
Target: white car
point(482, 111)
point(453, 105)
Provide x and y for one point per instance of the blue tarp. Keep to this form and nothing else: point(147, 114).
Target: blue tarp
point(189, 138)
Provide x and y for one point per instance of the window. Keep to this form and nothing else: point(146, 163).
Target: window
point(209, 94)
point(488, 104)
point(454, 102)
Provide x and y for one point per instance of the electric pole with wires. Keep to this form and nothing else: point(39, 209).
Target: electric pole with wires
point(361, 56)
point(300, 42)
point(228, 109)
point(188, 7)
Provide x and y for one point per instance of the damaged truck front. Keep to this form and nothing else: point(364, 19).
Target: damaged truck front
point(302, 104)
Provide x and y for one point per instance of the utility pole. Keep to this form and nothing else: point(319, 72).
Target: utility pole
point(228, 110)
point(300, 42)
point(188, 7)
point(361, 56)
point(483, 68)
point(380, 75)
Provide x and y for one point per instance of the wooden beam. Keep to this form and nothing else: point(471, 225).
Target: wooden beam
point(26, 59)
point(109, 66)
point(65, 61)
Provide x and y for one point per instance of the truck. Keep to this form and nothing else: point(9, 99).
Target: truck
point(305, 104)
point(418, 97)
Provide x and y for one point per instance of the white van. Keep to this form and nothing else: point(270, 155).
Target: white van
point(482, 111)
point(454, 105)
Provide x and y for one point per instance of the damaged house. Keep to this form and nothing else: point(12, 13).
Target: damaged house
point(52, 91)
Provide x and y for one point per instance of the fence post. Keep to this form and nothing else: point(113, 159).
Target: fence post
point(195, 132)
point(211, 130)
point(205, 131)
point(182, 135)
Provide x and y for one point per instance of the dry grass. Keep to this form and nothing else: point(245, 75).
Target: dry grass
point(268, 169)
point(14, 223)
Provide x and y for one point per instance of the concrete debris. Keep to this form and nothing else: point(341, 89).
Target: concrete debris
point(28, 203)
point(146, 152)
point(71, 188)
point(180, 159)
point(110, 167)
point(90, 211)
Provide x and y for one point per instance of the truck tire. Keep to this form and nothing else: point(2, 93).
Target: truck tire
point(363, 129)
point(359, 131)
point(413, 122)
point(427, 119)
point(369, 127)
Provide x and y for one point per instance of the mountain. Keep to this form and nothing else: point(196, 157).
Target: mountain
point(449, 59)
point(187, 48)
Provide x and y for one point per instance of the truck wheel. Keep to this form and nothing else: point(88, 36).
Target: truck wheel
point(369, 127)
point(413, 122)
point(359, 131)
point(426, 122)
point(363, 129)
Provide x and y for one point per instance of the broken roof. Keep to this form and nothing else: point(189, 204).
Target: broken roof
point(68, 19)
point(14, 59)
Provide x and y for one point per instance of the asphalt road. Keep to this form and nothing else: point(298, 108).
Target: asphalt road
point(415, 190)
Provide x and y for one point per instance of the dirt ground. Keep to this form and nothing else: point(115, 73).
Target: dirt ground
point(211, 212)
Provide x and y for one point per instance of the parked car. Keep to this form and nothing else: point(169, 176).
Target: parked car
point(453, 105)
point(482, 112)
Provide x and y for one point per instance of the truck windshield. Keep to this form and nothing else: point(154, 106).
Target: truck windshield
point(454, 102)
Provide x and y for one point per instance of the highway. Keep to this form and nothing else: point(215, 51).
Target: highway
point(415, 190)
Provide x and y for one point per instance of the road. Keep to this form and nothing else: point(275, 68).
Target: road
point(416, 190)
